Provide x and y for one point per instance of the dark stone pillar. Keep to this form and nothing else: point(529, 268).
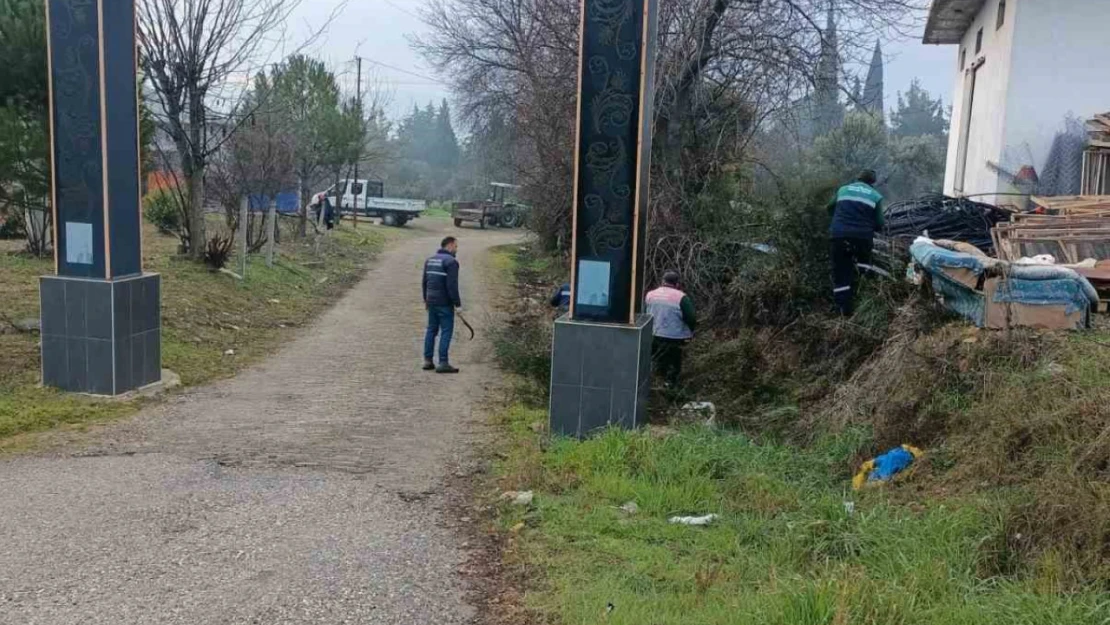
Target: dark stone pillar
point(600, 375)
point(601, 357)
point(101, 321)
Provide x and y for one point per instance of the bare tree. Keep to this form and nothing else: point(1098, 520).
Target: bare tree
point(723, 70)
point(199, 57)
point(257, 163)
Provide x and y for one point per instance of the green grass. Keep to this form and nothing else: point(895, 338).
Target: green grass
point(438, 211)
point(204, 314)
point(786, 550)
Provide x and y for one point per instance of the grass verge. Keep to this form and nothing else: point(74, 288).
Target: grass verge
point(793, 545)
point(213, 324)
point(1006, 521)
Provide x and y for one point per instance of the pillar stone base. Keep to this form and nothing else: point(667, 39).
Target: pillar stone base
point(600, 375)
point(102, 337)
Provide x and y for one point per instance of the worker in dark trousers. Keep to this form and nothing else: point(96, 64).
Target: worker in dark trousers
point(673, 326)
point(441, 297)
point(560, 299)
point(857, 214)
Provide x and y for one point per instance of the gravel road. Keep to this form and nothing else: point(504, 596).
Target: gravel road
point(309, 489)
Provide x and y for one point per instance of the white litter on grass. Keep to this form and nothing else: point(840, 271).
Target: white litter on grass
point(849, 507)
point(630, 508)
point(695, 520)
point(521, 498)
point(230, 352)
point(701, 409)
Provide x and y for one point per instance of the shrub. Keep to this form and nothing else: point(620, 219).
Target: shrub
point(162, 209)
point(218, 251)
point(12, 225)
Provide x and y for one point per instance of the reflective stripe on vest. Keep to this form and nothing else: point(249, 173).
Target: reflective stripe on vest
point(665, 305)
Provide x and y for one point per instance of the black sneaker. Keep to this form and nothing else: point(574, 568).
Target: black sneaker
point(446, 368)
point(429, 365)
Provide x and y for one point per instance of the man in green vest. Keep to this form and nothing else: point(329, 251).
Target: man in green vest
point(857, 214)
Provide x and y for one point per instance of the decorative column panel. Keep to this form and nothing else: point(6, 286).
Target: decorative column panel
point(601, 353)
point(101, 324)
point(616, 91)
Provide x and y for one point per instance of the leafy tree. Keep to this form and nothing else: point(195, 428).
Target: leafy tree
point(430, 153)
point(918, 114)
point(907, 166)
point(861, 142)
point(446, 144)
point(916, 166)
point(24, 158)
point(22, 54)
point(303, 93)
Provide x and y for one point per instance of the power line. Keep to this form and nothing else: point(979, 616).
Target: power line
point(402, 9)
point(404, 71)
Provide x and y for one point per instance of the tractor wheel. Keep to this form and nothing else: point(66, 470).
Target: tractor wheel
point(458, 223)
point(510, 219)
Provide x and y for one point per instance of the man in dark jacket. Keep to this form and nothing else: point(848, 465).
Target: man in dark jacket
point(857, 214)
point(441, 296)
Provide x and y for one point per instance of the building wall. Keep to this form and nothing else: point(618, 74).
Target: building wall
point(989, 115)
point(1059, 70)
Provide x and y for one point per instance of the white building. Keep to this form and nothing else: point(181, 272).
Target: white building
point(1024, 67)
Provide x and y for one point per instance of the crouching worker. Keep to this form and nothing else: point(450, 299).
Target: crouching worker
point(560, 299)
point(673, 327)
point(857, 214)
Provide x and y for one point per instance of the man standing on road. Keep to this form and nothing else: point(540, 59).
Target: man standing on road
point(857, 214)
point(673, 327)
point(441, 296)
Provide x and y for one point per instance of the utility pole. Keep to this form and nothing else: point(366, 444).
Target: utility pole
point(358, 98)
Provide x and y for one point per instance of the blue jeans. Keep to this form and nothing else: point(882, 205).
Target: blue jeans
point(441, 321)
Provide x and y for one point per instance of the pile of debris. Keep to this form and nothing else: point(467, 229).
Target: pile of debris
point(999, 294)
point(1096, 159)
point(1073, 233)
point(939, 217)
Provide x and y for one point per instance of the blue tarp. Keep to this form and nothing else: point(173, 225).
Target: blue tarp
point(288, 202)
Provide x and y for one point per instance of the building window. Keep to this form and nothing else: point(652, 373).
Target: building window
point(979, 41)
point(1001, 14)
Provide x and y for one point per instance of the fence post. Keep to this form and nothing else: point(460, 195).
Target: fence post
point(243, 226)
point(271, 234)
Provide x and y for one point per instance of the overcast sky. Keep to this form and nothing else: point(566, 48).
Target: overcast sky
point(379, 31)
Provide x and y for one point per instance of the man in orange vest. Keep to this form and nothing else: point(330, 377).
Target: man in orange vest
point(673, 327)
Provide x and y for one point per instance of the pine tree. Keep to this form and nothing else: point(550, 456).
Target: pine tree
point(918, 114)
point(446, 143)
point(873, 88)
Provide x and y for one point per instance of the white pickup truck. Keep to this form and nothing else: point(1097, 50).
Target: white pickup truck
point(364, 197)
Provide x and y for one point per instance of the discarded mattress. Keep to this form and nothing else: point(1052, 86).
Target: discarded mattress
point(996, 294)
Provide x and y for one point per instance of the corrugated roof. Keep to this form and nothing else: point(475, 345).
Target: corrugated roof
point(950, 19)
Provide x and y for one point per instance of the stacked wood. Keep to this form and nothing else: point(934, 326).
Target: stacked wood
point(1073, 204)
point(1096, 159)
point(1077, 235)
point(1069, 238)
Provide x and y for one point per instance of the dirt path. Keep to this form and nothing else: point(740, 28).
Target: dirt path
point(308, 489)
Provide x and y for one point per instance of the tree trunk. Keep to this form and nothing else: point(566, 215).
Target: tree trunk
point(194, 182)
point(302, 222)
